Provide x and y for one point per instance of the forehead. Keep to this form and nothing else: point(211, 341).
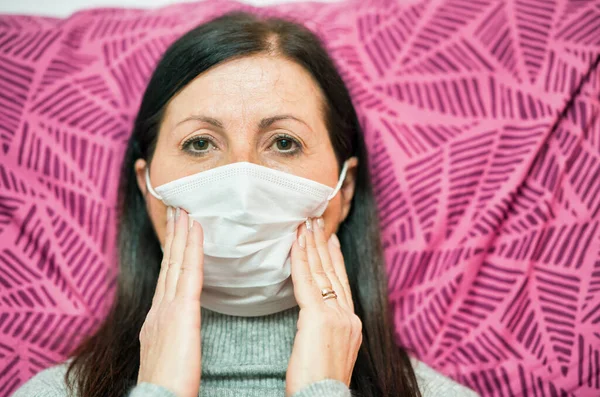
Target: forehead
point(250, 86)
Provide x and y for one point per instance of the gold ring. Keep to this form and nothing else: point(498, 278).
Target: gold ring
point(328, 293)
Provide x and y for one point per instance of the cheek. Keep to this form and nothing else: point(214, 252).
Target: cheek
point(158, 216)
point(331, 216)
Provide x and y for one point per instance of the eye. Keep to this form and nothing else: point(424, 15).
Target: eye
point(198, 145)
point(286, 144)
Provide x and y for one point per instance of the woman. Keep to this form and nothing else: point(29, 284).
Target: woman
point(245, 165)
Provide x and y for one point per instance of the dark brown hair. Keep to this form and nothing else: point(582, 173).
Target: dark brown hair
point(107, 363)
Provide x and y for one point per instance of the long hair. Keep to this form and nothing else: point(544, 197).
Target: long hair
point(107, 362)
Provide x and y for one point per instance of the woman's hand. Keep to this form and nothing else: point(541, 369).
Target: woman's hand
point(170, 337)
point(329, 333)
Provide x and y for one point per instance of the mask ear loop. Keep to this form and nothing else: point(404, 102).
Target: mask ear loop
point(149, 186)
point(339, 185)
point(340, 181)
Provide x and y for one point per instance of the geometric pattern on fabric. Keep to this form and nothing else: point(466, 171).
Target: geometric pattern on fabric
point(482, 119)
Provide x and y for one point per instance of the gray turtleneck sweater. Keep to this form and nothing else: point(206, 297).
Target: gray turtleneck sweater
point(245, 356)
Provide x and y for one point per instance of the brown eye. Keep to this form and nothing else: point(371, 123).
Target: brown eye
point(200, 145)
point(285, 145)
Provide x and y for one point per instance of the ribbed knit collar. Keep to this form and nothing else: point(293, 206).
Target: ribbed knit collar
point(246, 351)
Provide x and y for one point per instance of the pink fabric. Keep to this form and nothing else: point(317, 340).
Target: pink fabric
point(489, 194)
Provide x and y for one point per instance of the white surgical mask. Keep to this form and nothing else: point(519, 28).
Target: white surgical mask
point(250, 215)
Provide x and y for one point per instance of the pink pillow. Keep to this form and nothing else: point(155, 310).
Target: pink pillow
point(485, 141)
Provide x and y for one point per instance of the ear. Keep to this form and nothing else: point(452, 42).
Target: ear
point(140, 175)
point(348, 186)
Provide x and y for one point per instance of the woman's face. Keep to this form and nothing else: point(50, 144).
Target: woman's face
point(260, 109)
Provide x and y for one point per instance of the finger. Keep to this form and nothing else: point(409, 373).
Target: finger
point(164, 265)
point(306, 291)
point(176, 254)
point(340, 268)
point(314, 260)
point(327, 263)
point(189, 284)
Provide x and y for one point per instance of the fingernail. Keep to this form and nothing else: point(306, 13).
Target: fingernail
point(169, 213)
point(177, 211)
point(321, 223)
point(309, 225)
point(334, 239)
point(302, 241)
point(191, 221)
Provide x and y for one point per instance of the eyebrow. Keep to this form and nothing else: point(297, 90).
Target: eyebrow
point(264, 123)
